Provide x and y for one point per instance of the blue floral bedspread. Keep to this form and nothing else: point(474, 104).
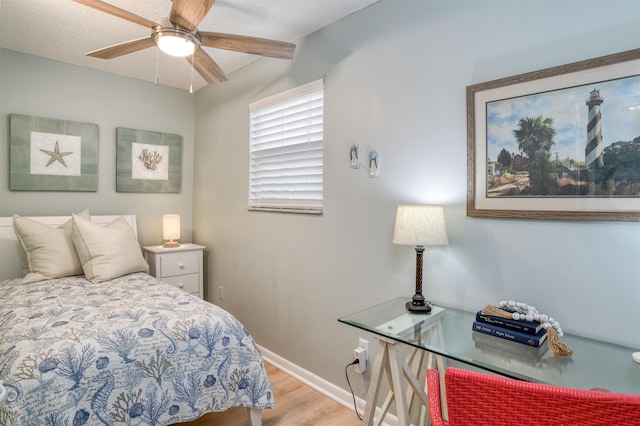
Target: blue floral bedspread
point(131, 351)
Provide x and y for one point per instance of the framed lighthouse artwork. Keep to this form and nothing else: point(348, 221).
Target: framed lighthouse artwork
point(558, 143)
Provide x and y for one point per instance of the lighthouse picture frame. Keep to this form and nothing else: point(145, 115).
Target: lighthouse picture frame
point(561, 143)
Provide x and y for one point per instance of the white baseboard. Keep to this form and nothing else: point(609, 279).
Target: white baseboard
point(321, 385)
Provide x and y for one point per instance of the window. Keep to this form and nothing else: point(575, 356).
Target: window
point(285, 164)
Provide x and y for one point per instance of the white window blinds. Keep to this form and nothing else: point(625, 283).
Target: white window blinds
point(285, 164)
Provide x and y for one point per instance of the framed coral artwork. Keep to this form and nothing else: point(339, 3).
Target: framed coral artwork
point(47, 154)
point(148, 161)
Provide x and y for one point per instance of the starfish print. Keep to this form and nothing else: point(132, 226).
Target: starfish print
point(56, 155)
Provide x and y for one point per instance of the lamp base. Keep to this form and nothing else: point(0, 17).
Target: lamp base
point(171, 244)
point(423, 308)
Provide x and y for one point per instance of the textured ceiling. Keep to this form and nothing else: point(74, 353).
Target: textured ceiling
point(64, 30)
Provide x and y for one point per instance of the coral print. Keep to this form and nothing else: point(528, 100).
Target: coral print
point(136, 351)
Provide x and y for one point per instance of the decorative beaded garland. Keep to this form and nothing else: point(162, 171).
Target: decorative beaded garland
point(522, 311)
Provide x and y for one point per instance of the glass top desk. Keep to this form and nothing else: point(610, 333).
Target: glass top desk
point(447, 333)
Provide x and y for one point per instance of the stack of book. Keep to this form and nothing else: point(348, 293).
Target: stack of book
point(528, 333)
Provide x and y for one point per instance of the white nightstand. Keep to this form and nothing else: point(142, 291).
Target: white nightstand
point(179, 266)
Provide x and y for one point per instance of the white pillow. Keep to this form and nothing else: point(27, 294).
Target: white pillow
point(108, 251)
point(49, 251)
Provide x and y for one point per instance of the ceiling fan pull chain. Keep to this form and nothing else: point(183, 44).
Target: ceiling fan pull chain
point(191, 86)
point(157, 55)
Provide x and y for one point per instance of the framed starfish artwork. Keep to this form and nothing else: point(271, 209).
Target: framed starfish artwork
point(148, 161)
point(52, 155)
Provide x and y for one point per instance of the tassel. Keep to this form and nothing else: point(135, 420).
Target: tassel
point(494, 311)
point(557, 346)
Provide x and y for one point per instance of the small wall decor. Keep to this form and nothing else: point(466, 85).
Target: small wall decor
point(52, 155)
point(374, 164)
point(148, 161)
point(354, 154)
point(559, 143)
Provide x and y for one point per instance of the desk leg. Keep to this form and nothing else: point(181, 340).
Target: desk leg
point(389, 360)
point(379, 365)
point(415, 359)
point(398, 372)
point(441, 364)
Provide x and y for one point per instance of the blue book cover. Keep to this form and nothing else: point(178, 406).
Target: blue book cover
point(523, 326)
point(508, 334)
point(503, 348)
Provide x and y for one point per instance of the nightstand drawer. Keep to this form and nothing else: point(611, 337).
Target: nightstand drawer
point(180, 264)
point(188, 283)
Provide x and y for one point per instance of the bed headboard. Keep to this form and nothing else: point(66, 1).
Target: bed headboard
point(10, 250)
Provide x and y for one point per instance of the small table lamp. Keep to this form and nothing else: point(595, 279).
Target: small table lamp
point(171, 230)
point(420, 226)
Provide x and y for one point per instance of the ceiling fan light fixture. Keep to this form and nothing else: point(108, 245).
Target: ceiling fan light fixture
point(175, 40)
point(175, 45)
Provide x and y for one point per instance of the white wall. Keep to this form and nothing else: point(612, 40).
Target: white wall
point(41, 87)
point(396, 74)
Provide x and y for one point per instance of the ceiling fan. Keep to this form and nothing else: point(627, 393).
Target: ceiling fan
point(178, 35)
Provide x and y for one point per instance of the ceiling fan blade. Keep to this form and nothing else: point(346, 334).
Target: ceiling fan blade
point(116, 11)
point(189, 13)
point(254, 45)
point(207, 67)
point(122, 48)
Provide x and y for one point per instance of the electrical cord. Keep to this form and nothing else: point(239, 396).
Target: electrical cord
point(346, 373)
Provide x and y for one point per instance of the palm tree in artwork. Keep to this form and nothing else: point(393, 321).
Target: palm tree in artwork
point(534, 134)
point(535, 139)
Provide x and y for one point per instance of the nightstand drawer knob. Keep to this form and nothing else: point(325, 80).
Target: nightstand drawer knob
point(181, 265)
point(181, 285)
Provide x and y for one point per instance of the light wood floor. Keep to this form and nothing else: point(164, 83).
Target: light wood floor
point(296, 405)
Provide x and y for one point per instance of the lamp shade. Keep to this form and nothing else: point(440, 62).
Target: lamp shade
point(420, 225)
point(171, 227)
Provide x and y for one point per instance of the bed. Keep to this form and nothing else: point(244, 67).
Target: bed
point(130, 349)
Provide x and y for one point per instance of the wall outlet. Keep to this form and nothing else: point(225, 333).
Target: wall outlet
point(364, 344)
point(221, 293)
point(361, 353)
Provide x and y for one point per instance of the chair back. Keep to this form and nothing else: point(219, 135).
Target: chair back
point(481, 399)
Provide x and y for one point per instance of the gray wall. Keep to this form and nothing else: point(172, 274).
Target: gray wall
point(396, 74)
point(40, 87)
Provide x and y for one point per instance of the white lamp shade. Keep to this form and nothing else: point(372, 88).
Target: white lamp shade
point(171, 227)
point(420, 225)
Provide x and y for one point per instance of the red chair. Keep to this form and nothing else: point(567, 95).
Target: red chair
point(476, 399)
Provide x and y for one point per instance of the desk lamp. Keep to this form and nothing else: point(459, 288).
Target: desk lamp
point(420, 226)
